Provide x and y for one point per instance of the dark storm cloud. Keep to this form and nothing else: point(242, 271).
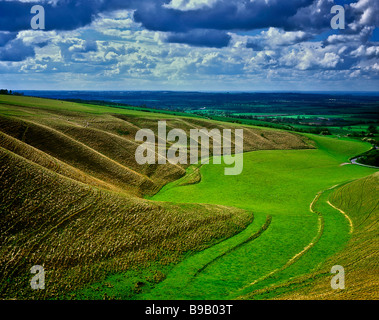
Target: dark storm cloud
point(256, 45)
point(184, 26)
point(201, 38)
point(154, 15)
point(65, 15)
point(62, 15)
point(5, 37)
point(223, 15)
point(16, 50)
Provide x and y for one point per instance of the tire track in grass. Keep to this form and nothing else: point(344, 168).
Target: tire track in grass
point(188, 270)
point(314, 240)
point(296, 257)
point(318, 272)
point(251, 238)
point(345, 215)
point(351, 225)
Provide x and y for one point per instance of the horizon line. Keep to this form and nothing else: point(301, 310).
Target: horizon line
point(200, 91)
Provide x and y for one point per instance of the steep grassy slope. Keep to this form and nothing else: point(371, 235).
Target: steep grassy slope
point(71, 196)
point(80, 233)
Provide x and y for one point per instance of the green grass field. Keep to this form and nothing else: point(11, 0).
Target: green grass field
point(281, 184)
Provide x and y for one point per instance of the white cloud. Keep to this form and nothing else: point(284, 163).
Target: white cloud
point(369, 14)
point(185, 5)
point(365, 51)
point(277, 37)
point(306, 57)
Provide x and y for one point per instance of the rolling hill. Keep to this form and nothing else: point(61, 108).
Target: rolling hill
point(73, 197)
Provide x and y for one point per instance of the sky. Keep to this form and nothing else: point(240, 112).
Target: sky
point(190, 45)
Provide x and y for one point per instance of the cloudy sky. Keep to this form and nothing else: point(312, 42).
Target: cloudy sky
point(207, 45)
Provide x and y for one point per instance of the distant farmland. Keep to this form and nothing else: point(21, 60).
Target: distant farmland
point(338, 113)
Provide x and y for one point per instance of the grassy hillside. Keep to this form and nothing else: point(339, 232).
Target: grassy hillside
point(72, 198)
point(289, 187)
point(100, 140)
point(81, 233)
point(358, 200)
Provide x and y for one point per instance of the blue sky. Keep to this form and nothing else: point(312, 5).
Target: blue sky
point(207, 45)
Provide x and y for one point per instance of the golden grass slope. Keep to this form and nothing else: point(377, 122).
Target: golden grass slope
point(80, 233)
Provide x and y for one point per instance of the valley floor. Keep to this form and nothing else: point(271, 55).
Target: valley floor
point(295, 231)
